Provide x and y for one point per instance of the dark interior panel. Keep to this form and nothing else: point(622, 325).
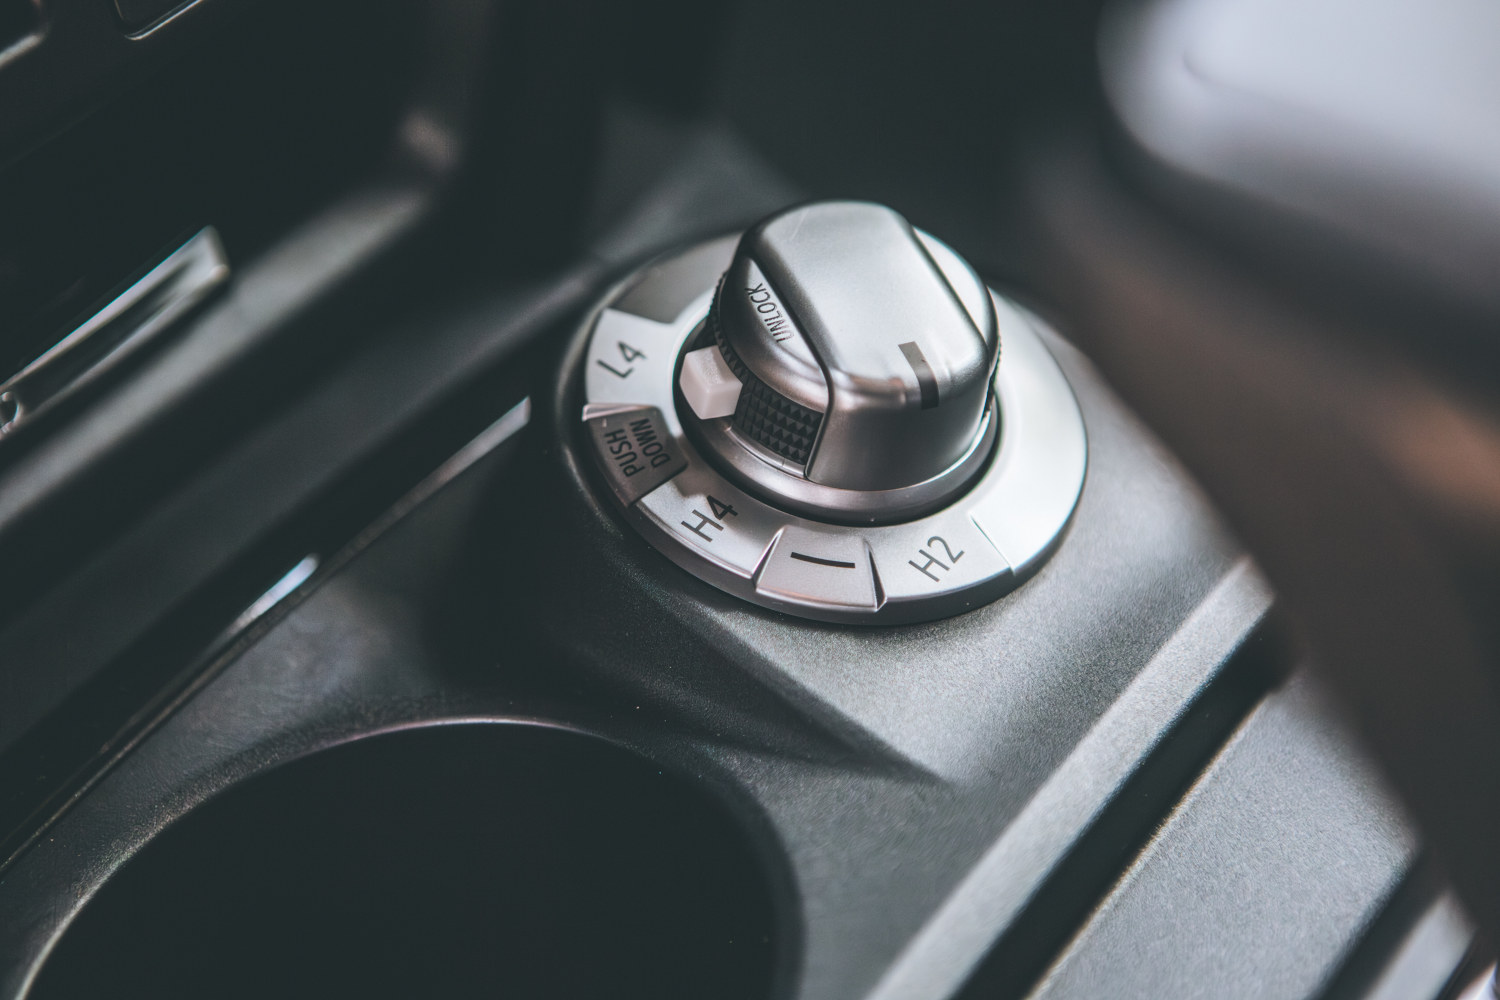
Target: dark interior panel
point(452, 859)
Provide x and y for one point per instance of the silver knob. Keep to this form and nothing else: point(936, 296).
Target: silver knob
point(846, 368)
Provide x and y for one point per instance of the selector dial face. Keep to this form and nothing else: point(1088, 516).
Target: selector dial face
point(811, 417)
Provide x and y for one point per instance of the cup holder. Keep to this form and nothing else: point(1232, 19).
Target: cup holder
point(450, 860)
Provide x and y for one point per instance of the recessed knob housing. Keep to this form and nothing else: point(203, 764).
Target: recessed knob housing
point(864, 354)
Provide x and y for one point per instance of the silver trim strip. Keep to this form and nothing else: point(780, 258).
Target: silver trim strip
point(134, 317)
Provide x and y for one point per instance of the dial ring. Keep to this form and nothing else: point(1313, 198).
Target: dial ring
point(967, 553)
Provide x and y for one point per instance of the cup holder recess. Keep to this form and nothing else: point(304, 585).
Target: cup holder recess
point(464, 859)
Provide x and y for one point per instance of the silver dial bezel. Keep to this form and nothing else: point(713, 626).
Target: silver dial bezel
point(1000, 530)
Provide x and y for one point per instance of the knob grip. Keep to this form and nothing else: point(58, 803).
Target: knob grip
point(852, 337)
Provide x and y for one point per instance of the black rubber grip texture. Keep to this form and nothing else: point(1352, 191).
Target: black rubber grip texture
point(764, 415)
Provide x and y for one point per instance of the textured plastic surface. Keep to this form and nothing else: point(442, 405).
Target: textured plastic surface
point(1276, 862)
point(916, 797)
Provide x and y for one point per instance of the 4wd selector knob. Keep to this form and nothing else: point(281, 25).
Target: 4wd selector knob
point(813, 416)
point(845, 370)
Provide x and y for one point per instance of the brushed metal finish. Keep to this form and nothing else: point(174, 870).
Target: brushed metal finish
point(965, 554)
point(903, 360)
